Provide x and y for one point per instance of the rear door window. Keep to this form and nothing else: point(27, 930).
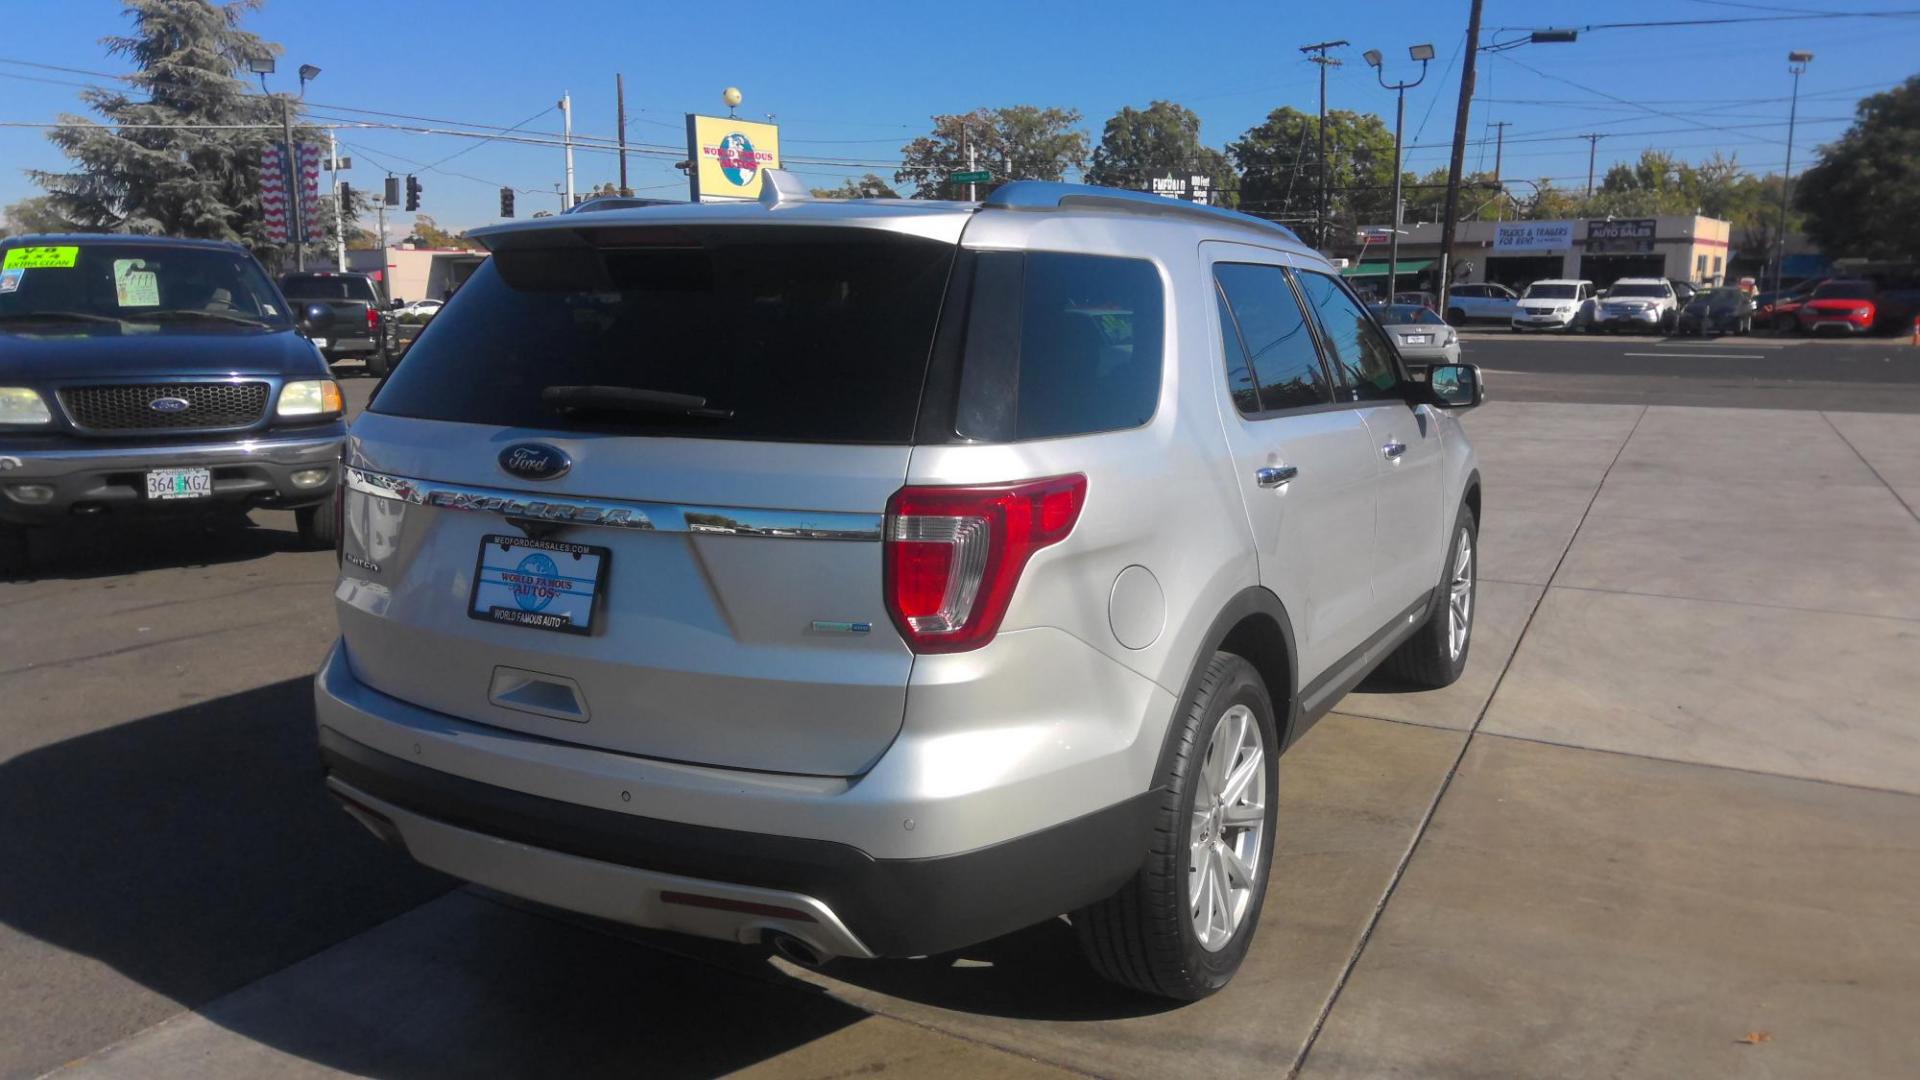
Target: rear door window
point(1262, 321)
point(791, 334)
point(1060, 345)
point(1367, 366)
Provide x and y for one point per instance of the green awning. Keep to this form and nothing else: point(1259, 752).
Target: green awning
point(1408, 268)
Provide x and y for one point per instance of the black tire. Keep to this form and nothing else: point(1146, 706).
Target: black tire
point(1456, 317)
point(319, 525)
point(1426, 659)
point(379, 362)
point(1515, 329)
point(1143, 936)
point(15, 555)
point(1785, 324)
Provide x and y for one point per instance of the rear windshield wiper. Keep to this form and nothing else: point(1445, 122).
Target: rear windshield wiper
point(58, 316)
point(193, 313)
point(630, 399)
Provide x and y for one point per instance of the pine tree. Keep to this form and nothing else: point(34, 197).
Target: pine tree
point(197, 180)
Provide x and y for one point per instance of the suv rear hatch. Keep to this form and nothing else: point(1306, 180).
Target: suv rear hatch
point(730, 407)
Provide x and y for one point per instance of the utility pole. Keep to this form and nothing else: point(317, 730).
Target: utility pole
point(386, 274)
point(1499, 151)
point(566, 137)
point(1593, 148)
point(339, 204)
point(967, 136)
point(620, 115)
point(1450, 217)
point(1325, 62)
point(1796, 64)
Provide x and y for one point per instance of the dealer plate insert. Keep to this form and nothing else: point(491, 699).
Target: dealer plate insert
point(543, 584)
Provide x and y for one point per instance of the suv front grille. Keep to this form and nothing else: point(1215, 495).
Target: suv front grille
point(210, 405)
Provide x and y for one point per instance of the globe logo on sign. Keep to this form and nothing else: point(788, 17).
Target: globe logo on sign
point(533, 582)
point(737, 159)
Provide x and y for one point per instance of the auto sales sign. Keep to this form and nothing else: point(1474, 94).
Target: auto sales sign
point(1514, 237)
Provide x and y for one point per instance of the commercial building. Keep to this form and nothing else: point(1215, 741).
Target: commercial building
point(415, 273)
point(1517, 253)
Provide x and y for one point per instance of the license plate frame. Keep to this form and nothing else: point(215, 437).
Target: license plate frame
point(1419, 339)
point(511, 592)
point(179, 483)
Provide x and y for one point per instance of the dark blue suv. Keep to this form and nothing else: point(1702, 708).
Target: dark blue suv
point(146, 375)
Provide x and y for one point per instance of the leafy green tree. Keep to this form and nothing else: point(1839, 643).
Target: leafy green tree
point(427, 233)
point(868, 186)
point(1545, 202)
point(1863, 197)
point(194, 168)
point(1280, 171)
point(1020, 142)
point(1426, 196)
point(1161, 140)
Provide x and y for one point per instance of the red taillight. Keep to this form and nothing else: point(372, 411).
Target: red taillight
point(954, 554)
point(373, 319)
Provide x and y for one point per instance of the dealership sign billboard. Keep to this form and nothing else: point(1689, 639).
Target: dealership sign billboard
point(1624, 235)
point(728, 156)
point(1522, 237)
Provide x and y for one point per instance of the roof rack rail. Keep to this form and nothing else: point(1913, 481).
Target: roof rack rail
point(1049, 195)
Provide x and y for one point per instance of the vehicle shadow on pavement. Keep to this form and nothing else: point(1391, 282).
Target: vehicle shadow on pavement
point(192, 851)
point(102, 547)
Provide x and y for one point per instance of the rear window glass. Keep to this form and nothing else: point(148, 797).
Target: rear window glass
point(328, 288)
point(814, 335)
point(1060, 345)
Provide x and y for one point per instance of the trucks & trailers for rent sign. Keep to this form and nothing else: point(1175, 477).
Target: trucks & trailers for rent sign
point(1516, 237)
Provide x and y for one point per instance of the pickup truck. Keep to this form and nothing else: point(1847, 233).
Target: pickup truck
point(343, 314)
point(144, 376)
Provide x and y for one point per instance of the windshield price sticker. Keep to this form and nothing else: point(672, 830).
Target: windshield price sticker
point(41, 258)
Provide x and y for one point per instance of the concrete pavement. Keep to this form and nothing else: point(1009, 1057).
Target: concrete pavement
point(1671, 807)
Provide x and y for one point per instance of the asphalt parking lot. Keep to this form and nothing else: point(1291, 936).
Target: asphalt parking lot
point(1667, 825)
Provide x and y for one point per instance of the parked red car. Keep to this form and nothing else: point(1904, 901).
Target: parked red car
point(1840, 305)
point(1779, 310)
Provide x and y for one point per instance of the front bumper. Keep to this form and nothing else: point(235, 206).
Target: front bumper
point(1814, 325)
point(1529, 321)
point(257, 470)
point(1646, 319)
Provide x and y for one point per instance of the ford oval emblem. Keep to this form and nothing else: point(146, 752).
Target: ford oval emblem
point(168, 404)
point(535, 461)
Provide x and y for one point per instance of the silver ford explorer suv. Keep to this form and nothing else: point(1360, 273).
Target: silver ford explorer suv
point(876, 578)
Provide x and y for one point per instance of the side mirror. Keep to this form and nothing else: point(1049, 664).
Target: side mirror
point(1454, 386)
point(313, 316)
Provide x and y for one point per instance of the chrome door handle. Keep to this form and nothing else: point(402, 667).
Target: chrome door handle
point(1275, 475)
point(1394, 449)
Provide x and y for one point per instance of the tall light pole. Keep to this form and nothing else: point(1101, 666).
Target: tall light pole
point(1796, 64)
point(1318, 54)
point(263, 66)
point(1422, 53)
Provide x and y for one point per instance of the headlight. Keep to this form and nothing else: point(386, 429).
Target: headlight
point(310, 397)
point(19, 405)
point(1862, 312)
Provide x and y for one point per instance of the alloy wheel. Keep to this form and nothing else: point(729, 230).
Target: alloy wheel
point(1460, 598)
point(1229, 821)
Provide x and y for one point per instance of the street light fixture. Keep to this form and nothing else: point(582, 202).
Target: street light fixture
point(307, 74)
point(1797, 61)
point(1422, 53)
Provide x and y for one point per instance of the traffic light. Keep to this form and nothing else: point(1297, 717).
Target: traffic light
point(393, 190)
point(506, 202)
point(413, 192)
point(346, 196)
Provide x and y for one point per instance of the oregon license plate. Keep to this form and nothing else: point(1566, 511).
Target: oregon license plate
point(544, 584)
point(1419, 339)
point(321, 342)
point(179, 483)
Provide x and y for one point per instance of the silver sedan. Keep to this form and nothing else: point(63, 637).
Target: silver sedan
point(1422, 336)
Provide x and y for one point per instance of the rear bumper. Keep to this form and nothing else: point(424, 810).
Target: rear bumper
point(639, 870)
point(906, 870)
point(251, 471)
point(338, 348)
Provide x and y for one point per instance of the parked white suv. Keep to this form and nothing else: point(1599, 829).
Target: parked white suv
point(876, 578)
point(1647, 305)
point(1554, 304)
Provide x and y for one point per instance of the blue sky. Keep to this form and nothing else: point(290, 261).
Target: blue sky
point(856, 86)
